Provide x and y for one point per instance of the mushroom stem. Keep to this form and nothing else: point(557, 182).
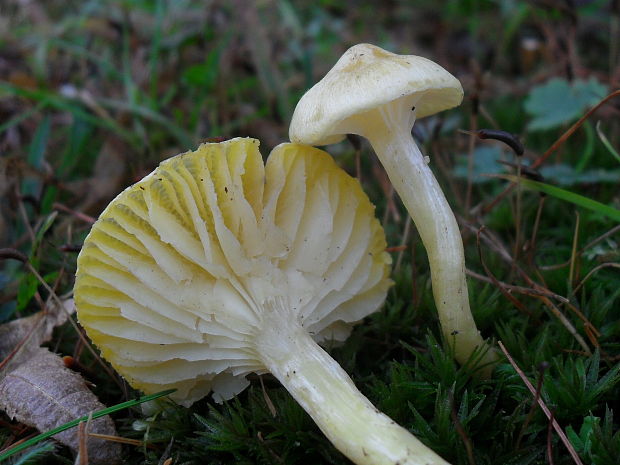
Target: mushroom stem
point(325, 391)
point(389, 134)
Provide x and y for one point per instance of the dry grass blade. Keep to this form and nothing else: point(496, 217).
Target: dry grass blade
point(594, 270)
point(121, 440)
point(542, 292)
point(529, 291)
point(83, 448)
point(573, 255)
point(543, 406)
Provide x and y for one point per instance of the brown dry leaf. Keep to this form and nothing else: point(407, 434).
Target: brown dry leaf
point(19, 339)
point(43, 393)
point(38, 390)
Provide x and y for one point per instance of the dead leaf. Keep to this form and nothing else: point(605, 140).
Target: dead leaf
point(38, 390)
point(20, 338)
point(43, 393)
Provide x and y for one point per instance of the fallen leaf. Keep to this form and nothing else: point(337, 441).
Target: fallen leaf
point(44, 394)
point(37, 389)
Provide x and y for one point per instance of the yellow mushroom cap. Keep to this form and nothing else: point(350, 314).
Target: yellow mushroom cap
point(365, 78)
point(176, 275)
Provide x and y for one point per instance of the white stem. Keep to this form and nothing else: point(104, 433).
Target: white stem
point(348, 419)
point(390, 136)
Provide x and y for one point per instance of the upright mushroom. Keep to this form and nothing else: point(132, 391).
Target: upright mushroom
point(378, 95)
point(215, 266)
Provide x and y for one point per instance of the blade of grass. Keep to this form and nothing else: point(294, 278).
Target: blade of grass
point(563, 194)
point(100, 413)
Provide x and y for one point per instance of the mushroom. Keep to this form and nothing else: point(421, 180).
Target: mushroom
point(378, 95)
point(215, 266)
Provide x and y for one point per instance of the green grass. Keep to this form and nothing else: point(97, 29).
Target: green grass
point(94, 94)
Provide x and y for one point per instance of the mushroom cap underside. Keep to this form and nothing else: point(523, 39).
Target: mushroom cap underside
point(365, 78)
point(175, 277)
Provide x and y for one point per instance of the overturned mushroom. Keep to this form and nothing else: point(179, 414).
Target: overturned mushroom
point(215, 266)
point(378, 95)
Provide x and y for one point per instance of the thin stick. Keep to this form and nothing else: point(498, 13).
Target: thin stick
point(56, 299)
point(82, 442)
point(541, 376)
point(515, 253)
point(81, 216)
point(532, 250)
point(543, 407)
point(594, 270)
point(120, 440)
point(520, 289)
point(573, 255)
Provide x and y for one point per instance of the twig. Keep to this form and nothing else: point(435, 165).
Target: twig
point(532, 247)
point(573, 255)
point(82, 433)
point(544, 408)
point(541, 376)
point(79, 215)
point(549, 442)
point(56, 299)
point(121, 440)
point(520, 289)
point(594, 270)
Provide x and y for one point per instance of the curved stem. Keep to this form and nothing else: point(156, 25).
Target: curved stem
point(420, 192)
point(348, 419)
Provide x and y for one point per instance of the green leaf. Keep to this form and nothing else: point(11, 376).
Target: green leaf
point(485, 162)
point(557, 101)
